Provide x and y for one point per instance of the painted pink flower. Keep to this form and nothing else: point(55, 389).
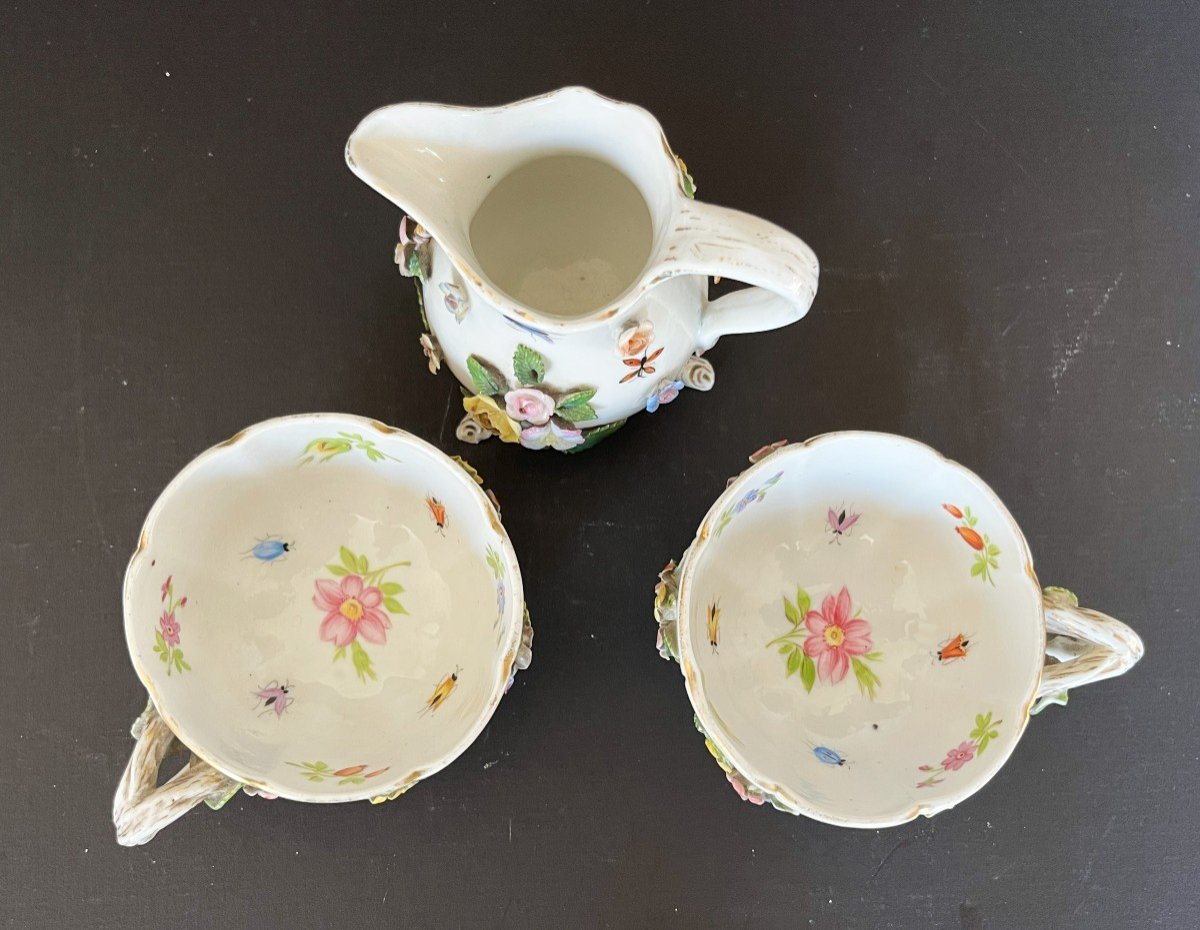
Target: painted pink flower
point(834, 636)
point(169, 627)
point(959, 756)
point(351, 610)
point(166, 587)
point(530, 405)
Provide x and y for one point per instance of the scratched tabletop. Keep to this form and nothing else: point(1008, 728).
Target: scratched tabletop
point(1005, 199)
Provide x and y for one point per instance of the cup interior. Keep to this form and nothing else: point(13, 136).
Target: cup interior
point(861, 629)
point(324, 608)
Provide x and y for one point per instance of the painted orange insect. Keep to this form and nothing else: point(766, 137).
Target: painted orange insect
point(641, 366)
point(955, 648)
point(438, 511)
point(441, 692)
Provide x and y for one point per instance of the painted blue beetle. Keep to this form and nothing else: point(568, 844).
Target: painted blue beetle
point(828, 756)
point(270, 549)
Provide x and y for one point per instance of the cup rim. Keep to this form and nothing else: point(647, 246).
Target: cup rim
point(514, 610)
point(687, 662)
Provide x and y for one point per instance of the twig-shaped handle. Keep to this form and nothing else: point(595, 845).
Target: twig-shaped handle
point(140, 809)
point(1089, 645)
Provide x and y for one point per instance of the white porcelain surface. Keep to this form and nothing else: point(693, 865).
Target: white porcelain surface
point(450, 608)
point(439, 163)
point(939, 605)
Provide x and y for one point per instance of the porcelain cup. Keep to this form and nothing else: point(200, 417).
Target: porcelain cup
point(862, 635)
point(321, 608)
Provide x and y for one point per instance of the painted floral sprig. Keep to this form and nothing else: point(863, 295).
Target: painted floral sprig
point(985, 550)
point(827, 642)
point(753, 496)
point(327, 447)
point(166, 637)
point(985, 731)
point(349, 775)
point(357, 607)
point(525, 409)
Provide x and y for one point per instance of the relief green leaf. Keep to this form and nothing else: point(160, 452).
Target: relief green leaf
point(487, 380)
point(577, 396)
point(808, 672)
point(528, 365)
point(576, 413)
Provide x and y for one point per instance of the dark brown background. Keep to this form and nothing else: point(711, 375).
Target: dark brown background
point(1006, 203)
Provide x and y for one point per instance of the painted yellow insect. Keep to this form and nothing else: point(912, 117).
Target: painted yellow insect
point(714, 621)
point(441, 692)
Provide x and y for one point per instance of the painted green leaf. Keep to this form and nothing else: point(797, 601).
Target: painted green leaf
point(993, 549)
point(528, 365)
point(339, 653)
point(808, 672)
point(165, 656)
point(790, 611)
point(803, 602)
point(793, 662)
point(348, 559)
point(336, 570)
point(320, 765)
point(873, 656)
point(978, 568)
point(391, 588)
point(391, 605)
point(158, 639)
point(363, 566)
point(785, 649)
point(186, 667)
point(484, 376)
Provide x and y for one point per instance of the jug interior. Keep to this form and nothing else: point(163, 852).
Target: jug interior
point(563, 234)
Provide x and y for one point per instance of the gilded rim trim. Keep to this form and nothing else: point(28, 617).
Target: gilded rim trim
point(694, 686)
point(515, 609)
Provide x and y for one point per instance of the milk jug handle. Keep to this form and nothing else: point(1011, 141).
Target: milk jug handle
point(717, 241)
point(141, 808)
point(1089, 646)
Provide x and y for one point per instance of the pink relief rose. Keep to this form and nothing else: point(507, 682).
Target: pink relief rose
point(635, 339)
point(170, 628)
point(741, 789)
point(351, 610)
point(529, 404)
point(552, 435)
point(959, 756)
point(834, 637)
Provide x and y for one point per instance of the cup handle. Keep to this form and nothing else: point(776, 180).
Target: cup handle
point(140, 809)
point(1089, 646)
point(718, 241)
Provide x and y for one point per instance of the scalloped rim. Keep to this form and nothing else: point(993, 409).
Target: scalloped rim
point(515, 610)
point(787, 798)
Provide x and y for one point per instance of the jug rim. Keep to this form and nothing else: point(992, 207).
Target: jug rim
point(668, 176)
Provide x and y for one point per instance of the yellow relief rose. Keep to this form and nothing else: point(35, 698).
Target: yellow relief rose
point(492, 417)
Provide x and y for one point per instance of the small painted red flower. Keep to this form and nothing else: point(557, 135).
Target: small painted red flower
point(170, 628)
point(183, 603)
point(166, 586)
point(956, 758)
point(952, 510)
